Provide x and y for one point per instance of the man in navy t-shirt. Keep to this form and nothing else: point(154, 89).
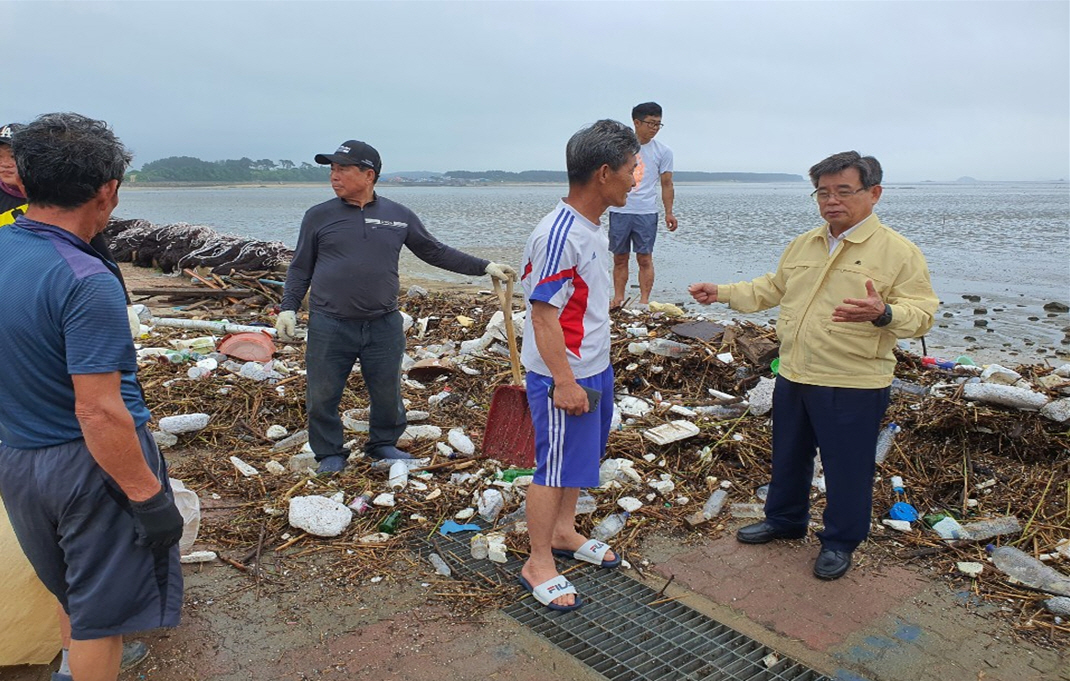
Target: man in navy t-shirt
point(83, 481)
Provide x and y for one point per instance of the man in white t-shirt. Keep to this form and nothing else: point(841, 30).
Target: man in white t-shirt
point(566, 284)
point(634, 226)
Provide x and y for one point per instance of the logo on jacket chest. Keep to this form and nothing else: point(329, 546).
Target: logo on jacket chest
point(375, 223)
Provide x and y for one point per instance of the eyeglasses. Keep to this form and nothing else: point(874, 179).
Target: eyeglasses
point(654, 124)
point(821, 196)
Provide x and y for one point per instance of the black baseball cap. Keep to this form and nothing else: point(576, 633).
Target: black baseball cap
point(8, 131)
point(353, 153)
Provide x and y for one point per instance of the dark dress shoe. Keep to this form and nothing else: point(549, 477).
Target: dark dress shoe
point(331, 465)
point(832, 564)
point(763, 532)
point(387, 453)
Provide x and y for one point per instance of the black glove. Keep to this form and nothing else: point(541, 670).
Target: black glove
point(157, 522)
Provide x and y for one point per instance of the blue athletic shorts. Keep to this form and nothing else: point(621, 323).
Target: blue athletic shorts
point(75, 526)
point(629, 232)
point(568, 449)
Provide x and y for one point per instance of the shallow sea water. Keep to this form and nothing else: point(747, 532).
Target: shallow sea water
point(1008, 243)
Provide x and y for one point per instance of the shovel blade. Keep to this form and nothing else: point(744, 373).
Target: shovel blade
point(510, 435)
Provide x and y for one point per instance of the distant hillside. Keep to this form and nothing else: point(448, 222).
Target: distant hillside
point(698, 176)
point(505, 176)
point(191, 169)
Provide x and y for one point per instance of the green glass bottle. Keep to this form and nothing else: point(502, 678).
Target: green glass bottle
point(390, 523)
point(513, 473)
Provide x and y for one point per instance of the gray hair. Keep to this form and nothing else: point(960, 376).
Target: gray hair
point(869, 168)
point(64, 159)
point(606, 142)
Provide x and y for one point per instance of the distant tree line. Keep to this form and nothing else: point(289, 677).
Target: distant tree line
point(562, 177)
point(190, 169)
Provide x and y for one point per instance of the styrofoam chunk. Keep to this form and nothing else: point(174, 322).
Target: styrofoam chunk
point(319, 516)
point(461, 442)
point(244, 468)
point(184, 423)
point(1004, 395)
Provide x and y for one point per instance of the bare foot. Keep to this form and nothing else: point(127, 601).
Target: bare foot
point(616, 303)
point(537, 573)
point(573, 541)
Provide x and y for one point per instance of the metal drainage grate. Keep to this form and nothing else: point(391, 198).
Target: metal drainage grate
point(619, 634)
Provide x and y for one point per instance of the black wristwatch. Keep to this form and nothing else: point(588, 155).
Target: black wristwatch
point(886, 317)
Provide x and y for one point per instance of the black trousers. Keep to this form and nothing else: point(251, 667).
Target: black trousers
point(844, 424)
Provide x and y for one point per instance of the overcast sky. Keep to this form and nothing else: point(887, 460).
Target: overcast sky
point(935, 90)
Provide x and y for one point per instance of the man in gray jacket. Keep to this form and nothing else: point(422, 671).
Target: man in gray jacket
point(348, 251)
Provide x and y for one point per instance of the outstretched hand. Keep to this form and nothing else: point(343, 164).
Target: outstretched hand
point(500, 272)
point(704, 292)
point(860, 309)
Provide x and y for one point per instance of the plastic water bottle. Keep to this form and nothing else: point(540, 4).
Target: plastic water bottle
point(479, 546)
point(1029, 571)
point(610, 526)
point(668, 348)
point(490, 505)
point(908, 388)
point(884, 441)
point(440, 565)
point(714, 504)
point(399, 475)
point(586, 503)
point(994, 527)
point(516, 516)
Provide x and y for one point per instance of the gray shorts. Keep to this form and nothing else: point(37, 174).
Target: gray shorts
point(628, 232)
point(75, 526)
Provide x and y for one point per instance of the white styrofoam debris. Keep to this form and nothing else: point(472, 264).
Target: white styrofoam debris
point(1000, 375)
point(897, 525)
point(164, 440)
point(634, 407)
point(761, 396)
point(663, 487)
point(465, 513)
point(726, 357)
point(198, 557)
point(1057, 410)
point(302, 461)
point(244, 468)
point(375, 538)
point(275, 468)
point(276, 432)
point(1063, 371)
point(629, 504)
point(970, 569)
point(1004, 395)
point(319, 516)
point(386, 499)
point(414, 415)
point(424, 432)
point(672, 431)
point(183, 423)
point(1059, 605)
point(461, 442)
